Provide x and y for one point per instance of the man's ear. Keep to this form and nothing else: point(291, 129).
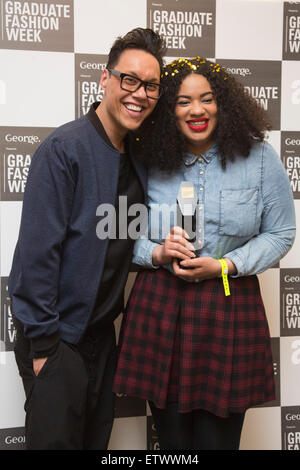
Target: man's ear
point(104, 78)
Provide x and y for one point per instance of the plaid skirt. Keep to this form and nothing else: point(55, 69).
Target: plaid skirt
point(188, 343)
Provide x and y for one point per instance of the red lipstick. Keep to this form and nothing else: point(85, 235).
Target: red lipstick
point(197, 127)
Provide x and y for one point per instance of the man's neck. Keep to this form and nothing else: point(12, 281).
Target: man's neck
point(115, 136)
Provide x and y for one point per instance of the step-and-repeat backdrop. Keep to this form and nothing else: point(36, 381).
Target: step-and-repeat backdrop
point(51, 58)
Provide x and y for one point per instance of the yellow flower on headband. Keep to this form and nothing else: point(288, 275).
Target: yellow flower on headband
point(188, 62)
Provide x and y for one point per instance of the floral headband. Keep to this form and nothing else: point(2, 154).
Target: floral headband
point(181, 62)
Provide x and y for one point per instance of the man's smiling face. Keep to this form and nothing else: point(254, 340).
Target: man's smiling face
point(127, 110)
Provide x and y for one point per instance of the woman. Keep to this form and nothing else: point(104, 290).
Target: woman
point(195, 347)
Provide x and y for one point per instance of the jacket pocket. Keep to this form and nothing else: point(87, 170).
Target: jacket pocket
point(238, 212)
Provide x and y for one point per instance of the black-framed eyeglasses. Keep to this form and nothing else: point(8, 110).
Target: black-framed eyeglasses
point(131, 84)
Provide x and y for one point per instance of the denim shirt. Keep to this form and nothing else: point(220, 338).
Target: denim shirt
point(245, 212)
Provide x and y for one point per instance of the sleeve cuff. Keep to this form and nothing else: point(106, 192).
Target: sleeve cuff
point(44, 346)
point(143, 253)
point(237, 262)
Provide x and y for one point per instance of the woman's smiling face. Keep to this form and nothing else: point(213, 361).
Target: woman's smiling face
point(196, 113)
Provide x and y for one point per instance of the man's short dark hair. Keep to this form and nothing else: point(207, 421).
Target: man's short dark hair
point(140, 38)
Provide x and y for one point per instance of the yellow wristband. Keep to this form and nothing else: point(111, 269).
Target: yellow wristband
point(225, 276)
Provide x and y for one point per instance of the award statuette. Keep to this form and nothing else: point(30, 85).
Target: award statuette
point(186, 212)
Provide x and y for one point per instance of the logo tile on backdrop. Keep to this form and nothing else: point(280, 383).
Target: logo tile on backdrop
point(31, 29)
point(290, 104)
point(129, 406)
point(187, 27)
point(291, 31)
point(88, 70)
point(7, 329)
point(262, 80)
point(290, 354)
point(275, 344)
point(290, 155)
point(152, 435)
point(40, 25)
point(17, 146)
point(12, 439)
point(290, 302)
point(290, 427)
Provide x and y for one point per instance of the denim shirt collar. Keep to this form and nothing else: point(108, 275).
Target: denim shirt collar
point(190, 158)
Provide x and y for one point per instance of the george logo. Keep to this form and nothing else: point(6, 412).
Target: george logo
point(39, 25)
point(262, 80)
point(290, 302)
point(290, 141)
point(88, 70)
point(29, 139)
point(12, 439)
point(292, 417)
point(187, 27)
point(291, 31)
point(242, 71)
point(17, 146)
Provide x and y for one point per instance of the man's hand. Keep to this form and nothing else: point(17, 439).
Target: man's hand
point(38, 364)
point(176, 246)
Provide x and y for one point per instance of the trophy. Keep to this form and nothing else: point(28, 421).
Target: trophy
point(187, 213)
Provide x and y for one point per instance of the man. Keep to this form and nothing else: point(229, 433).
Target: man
point(66, 282)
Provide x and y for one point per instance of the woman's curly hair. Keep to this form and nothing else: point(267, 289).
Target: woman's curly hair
point(241, 121)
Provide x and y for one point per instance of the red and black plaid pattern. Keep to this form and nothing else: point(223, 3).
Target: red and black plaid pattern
point(188, 343)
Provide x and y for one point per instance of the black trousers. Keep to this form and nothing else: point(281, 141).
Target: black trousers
point(198, 430)
point(70, 404)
